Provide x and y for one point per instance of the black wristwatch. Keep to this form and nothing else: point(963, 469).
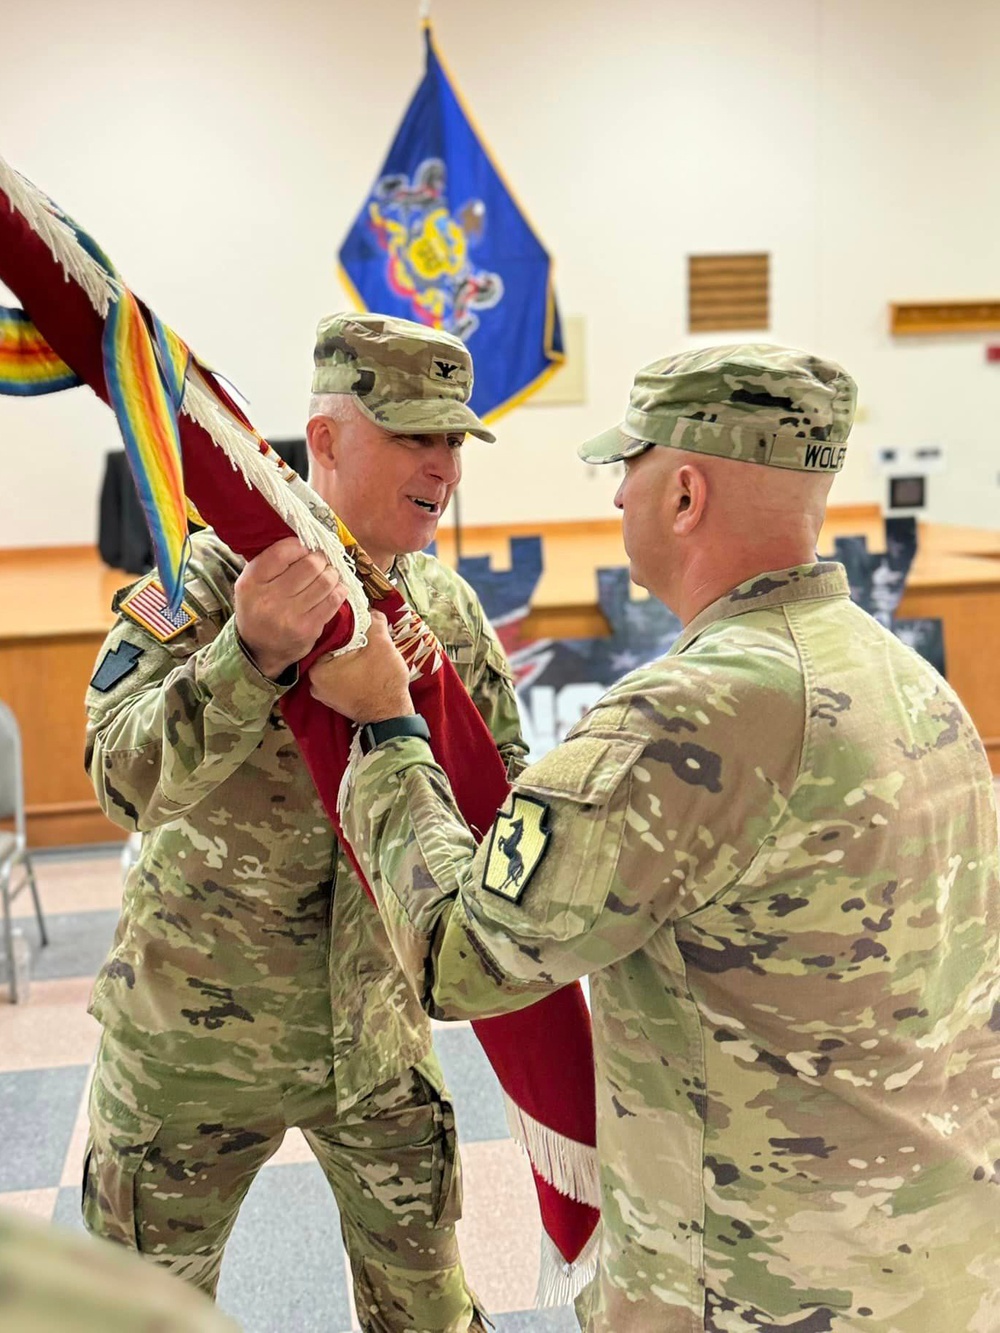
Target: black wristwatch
point(374, 733)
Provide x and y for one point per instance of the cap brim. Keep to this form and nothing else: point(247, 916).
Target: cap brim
point(612, 446)
point(428, 416)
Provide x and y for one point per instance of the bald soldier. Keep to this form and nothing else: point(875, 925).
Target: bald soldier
point(774, 851)
point(251, 986)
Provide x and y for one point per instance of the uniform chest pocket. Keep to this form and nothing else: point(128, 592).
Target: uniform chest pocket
point(460, 651)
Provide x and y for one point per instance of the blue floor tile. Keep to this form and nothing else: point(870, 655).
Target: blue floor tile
point(91, 851)
point(78, 944)
point(284, 1266)
point(473, 1085)
point(562, 1320)
point(67, 1210)
point(37, 1110)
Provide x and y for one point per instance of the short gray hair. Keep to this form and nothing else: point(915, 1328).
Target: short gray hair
point(338, 406)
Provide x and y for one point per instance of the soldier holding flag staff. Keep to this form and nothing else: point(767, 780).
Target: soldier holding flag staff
point(774, 851)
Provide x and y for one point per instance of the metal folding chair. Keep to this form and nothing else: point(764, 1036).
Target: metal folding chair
point(16, 870)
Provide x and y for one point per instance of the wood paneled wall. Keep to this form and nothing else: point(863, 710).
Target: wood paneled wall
point(55, 612)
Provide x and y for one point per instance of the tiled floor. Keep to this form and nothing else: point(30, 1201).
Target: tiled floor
point(284, 1268)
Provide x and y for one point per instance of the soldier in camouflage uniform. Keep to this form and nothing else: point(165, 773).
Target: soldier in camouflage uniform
point(251, 985)
point(52, 1281)
point(774, 851)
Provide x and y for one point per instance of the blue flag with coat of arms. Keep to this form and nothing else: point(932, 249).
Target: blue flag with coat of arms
point(441, 240)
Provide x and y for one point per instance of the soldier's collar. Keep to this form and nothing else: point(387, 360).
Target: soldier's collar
point(397, 570)
point(801, 583)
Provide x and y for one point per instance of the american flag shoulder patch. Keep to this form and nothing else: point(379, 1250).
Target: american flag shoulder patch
point(147, 605)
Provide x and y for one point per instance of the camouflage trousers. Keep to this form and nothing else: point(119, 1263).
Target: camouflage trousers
point(171, 1156)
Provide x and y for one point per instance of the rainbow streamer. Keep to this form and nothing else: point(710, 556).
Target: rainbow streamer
point(145, 379)
point(145, 366)
point(174, 357)
point(28, 365)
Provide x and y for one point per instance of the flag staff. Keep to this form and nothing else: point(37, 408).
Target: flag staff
point(457, 522)
point(424, 14)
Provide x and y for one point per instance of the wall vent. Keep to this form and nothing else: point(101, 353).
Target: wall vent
point(728, 293)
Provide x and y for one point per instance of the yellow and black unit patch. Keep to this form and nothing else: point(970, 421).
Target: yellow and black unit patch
point(147, 605)
point(520, 840)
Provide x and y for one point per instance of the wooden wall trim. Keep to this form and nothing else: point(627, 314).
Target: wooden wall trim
point(470, 533)
point(934, 317)
point(43, 554)
point(63, 808)
point(577, 527)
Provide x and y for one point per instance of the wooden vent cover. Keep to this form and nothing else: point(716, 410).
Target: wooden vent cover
point(728, 292)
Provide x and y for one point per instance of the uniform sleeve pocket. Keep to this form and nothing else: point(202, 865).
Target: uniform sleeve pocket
point(549, 862)
point(586, 769)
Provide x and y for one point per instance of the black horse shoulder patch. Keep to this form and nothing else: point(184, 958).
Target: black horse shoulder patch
point(520, 840)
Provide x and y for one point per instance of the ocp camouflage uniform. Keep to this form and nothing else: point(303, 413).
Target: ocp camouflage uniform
point(777, 859)
point(251, 985)
point(52, 1281)
point(774, 851)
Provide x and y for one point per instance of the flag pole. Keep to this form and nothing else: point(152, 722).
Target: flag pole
point(457, 526)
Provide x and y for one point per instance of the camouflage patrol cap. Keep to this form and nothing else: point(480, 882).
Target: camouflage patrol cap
point(750, 401)
point(406, 377)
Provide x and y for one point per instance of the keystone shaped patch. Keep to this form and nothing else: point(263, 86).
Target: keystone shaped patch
point(116, 664)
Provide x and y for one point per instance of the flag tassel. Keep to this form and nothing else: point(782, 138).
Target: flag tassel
point(565, 1163)
point(354, 758)
point(559, 1283)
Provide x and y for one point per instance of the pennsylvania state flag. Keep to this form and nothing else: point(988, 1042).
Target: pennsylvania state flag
point(441, 240)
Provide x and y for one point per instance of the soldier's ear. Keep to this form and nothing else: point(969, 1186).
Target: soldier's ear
point(690, 498)
point(322, 435)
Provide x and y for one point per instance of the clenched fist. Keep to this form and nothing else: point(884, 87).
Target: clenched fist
point(284, 597)
point(368, 685)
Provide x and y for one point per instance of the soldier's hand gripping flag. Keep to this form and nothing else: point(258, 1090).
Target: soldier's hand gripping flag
point(85, 323)
point(441, 239)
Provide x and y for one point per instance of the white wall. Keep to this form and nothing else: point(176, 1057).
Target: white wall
point(218, 151)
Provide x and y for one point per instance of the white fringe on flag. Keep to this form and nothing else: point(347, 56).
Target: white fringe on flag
point(260, 471)
point(571, 1167)
point(559, 1283)
point(565, 1163)
point(76, 263)
point(417, 644)
point(354, 758)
